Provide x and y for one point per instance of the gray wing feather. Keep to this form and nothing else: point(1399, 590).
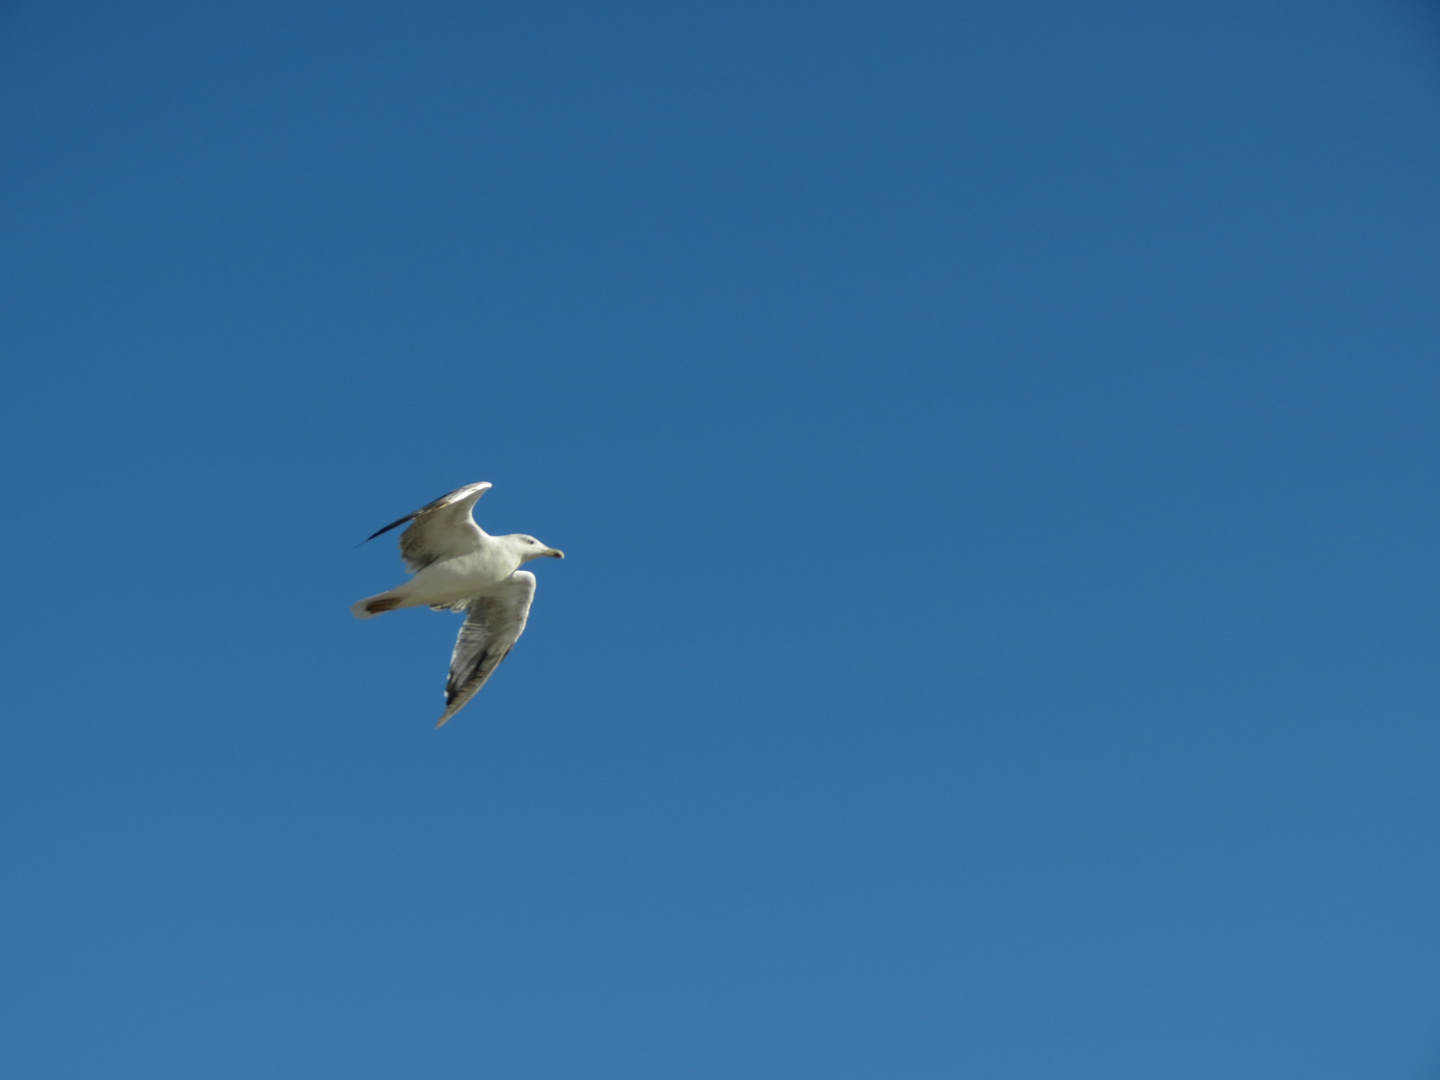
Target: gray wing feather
point(490, 631)
point(441, 530)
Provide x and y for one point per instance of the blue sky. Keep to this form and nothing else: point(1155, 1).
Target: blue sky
point(995, 449)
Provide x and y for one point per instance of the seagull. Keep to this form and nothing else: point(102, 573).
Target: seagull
point(460, 567)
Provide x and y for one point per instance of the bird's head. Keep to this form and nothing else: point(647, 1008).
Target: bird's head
point(530, 548)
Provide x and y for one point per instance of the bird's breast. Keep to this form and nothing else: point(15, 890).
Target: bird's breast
point(464, 575)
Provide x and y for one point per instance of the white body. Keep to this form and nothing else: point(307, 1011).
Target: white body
point(451, 580)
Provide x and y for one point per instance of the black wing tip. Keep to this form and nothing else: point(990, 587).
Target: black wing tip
point(387, 528)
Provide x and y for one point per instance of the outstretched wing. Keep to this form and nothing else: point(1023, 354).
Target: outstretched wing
point(494, 624)
point(442, 529)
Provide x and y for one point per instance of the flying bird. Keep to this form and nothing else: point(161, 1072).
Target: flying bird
point(459, 567)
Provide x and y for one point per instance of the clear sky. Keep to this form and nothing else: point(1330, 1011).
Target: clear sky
point(996, 450)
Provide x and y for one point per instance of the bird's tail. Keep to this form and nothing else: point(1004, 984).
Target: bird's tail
point(374, 605)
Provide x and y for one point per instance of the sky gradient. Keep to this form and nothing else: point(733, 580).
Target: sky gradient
point(995, 450)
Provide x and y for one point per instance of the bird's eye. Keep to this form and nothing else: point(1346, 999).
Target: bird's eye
point(529, 541)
